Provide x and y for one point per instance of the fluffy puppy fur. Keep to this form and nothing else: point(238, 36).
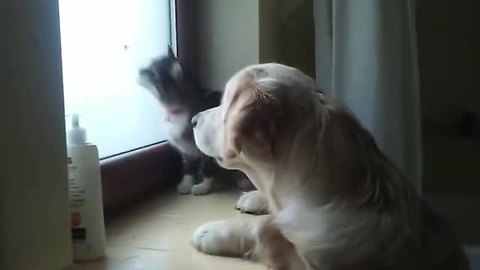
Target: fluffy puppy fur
point(335, 200)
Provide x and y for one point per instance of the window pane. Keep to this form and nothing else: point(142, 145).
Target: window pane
point(104, 43)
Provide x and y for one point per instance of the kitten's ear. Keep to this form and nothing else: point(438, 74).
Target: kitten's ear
point(147, 79)
point(146, 75)
point(176, 69)
point(171, 54)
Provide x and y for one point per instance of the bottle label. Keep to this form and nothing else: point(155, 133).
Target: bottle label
point(79, 234)
point(77, 202)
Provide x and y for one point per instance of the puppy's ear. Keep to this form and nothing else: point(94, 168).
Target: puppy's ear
point(271, 111)
point(263, 116)
point(234, 147)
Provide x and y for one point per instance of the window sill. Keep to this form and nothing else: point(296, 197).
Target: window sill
point(128, 177)
point(156, 234)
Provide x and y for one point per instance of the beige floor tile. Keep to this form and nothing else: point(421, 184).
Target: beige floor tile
point(157, 234)
point(137, 259)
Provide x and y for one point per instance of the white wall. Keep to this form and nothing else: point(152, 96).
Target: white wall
point(287, 33)
point(228, 39)
point(34, 229)
point(235, 33)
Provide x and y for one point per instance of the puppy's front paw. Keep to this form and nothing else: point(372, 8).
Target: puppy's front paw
point(186, 184)
point(210, 238)
point(252, 202)
point(203, 188)
point(224, 238)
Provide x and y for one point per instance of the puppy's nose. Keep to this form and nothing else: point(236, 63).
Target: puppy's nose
point(195, 120)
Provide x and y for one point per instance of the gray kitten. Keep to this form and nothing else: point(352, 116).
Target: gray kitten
point(181, 97)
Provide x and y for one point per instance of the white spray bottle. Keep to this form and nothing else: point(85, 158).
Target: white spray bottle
point(86, 204)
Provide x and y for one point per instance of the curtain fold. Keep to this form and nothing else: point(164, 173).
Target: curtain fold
point(366, 59)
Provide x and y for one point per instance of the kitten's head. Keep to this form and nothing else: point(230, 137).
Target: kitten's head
point(170, 82)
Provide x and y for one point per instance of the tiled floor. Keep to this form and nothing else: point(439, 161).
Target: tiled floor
point(157, 235)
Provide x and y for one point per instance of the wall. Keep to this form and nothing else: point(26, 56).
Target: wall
point(451, 169)
point(448, 87)
point(445, 53)
point(287, 33)
point(34, 229)
point(231, 34)
point(228, 39)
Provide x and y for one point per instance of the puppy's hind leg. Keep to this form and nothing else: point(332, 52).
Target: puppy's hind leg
point(274, 250)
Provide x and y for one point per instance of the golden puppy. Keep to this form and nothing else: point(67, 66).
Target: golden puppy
point(335, 200)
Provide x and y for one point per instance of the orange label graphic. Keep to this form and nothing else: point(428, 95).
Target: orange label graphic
point(75, 219)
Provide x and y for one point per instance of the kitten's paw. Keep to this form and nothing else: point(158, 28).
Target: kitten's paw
point(252, 202)
point(186, 184)
point(202, 188)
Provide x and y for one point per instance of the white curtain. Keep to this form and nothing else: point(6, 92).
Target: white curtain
point(366, 59)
